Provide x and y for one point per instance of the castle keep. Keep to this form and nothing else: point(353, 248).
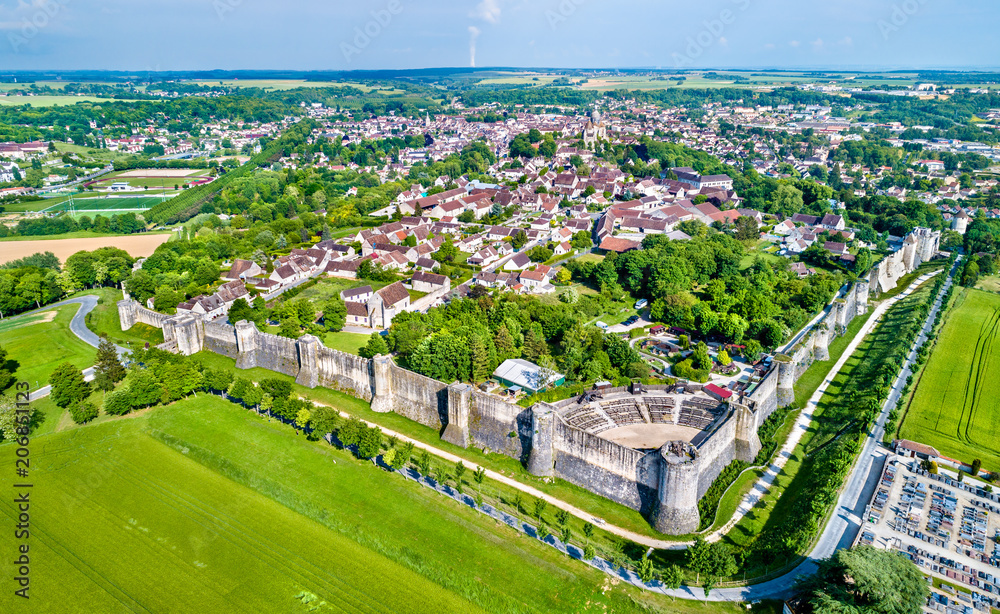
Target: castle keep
point(589, 441)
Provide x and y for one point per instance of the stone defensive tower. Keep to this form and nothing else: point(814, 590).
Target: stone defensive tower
point(383, 401)
point(677, 507)
point(541, 459)
point(459, 401)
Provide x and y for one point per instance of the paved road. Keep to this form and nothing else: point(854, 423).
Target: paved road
point(78, 325)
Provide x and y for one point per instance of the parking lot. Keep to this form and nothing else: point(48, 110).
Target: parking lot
point(948, 528)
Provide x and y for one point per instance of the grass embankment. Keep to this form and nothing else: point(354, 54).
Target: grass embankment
point(38, 343)
point(610, 511)
point(955, 405)
point(222, 510)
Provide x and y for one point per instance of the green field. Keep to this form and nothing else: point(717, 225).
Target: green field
point(174, 510)
point(49, 101)
point(955, 406)
point(39, 344)
point(97, 204)
point(345, 342)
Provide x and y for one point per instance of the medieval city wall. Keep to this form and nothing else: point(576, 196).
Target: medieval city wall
point(665, 483)
point(419, 398)
point(221, 339)
point(343, 371)
point(624, 475)
point(715, 452)
point(276, 353)
point(499, 426)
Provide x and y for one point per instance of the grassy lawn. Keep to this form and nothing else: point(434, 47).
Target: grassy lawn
point(955, 405)
point(758, 252)
point(345, 342)
point(329, 287)
point(590, 257)
point(209, 527)
point(40, 343)
point(104, 321)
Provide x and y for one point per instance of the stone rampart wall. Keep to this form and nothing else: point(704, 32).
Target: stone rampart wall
point(277, 354)
point(419, 398)
point(221, 339)
point(346, 372)
point(628, 476)
point(499, 426)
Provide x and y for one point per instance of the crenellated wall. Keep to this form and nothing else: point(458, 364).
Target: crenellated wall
point(343, 371)
point(419, 398)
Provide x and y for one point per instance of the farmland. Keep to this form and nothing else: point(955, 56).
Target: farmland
point(956, 403)
point(208, 527)
point(49, 101)
point(137, 246)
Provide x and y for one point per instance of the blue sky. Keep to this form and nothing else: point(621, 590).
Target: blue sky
point(334, 34)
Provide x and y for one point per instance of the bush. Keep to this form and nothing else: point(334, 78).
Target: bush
point(118, 403)
point(685, 369)
point(83, 412)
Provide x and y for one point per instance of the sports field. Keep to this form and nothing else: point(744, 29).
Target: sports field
point(956, 405)
point(113, 203)
point(202, 506)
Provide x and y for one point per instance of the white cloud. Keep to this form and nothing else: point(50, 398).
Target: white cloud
point(793, 43)
point(817, 44)
point(847, 41)
point(488, 11)
point(769, 46)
